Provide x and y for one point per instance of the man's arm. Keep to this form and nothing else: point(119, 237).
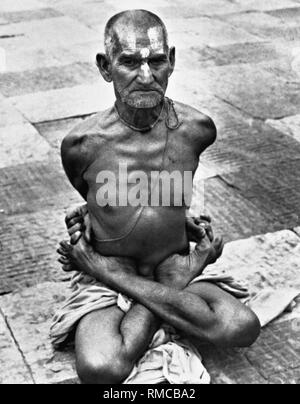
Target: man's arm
point(75, 156)
point(206, 132)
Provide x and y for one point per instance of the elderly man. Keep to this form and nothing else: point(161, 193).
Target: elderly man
point(141, 250)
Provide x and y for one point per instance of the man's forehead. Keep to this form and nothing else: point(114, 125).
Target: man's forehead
point(135, 39)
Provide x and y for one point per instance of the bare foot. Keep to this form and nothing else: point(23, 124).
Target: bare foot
point(83, 257)
point(180, 270)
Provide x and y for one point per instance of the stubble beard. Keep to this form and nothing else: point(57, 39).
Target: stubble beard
point(138, 101)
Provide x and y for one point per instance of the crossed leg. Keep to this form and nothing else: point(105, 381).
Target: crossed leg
point(109, 342)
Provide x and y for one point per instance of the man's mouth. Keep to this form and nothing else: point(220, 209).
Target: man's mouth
point(145, 90)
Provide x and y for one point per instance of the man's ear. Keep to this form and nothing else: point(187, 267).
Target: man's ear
point(172, 59)
point(104, 66)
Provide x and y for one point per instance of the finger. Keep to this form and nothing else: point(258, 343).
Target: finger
point(66, 246)
point(196, 233)
point(210, 232)
point(77, 227)
point(64, 261)
point(221, 247)
point(88, 228)
point(62, 252)
point(207, 218)
point(74, 221)
point(72, 213)
point(76, 237)
point(203, 247)
point(208, 228)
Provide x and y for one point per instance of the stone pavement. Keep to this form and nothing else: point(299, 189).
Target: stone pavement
point(239, 62)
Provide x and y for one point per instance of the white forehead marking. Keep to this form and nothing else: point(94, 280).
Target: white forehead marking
point(145, 53)
point(131, 39)
point(145, 69)
point(154, 35)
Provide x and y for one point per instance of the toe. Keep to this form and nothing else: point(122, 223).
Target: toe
point(66, 245)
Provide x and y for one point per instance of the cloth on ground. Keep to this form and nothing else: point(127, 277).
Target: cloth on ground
point(169, 358)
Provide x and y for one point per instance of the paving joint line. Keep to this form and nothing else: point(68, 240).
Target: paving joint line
point(18, 346)
point(11, 36)
point(68, 118)
point(229, 184)
point(239, 109)
point(257, 369)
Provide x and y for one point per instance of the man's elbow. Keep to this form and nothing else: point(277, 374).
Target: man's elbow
point(239, 332)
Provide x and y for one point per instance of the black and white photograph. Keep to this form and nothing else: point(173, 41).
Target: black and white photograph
point(149, 194)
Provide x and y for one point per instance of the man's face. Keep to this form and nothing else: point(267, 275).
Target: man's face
point(140, 66)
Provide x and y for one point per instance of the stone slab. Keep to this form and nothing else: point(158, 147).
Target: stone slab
point(245, 53)
point(25, 59)
point(267, 26)
point(286, 15)
point(254, 90)
point(247, 146)
point(29, 314)
point(225, 116)
point(13, 367)
point(20, 5)
point(234, 216)
point(20, 144)
point(64, 103)
point(3, 21)
point(202, 31)
point(286, 68)
point(290, 126)
point(9, 115)
point(94, 16)
point(274, 189)
point(273, 359)
point(266, 4)
point(55, 131)
point(31, 187)
point(47, 78)
point(29, 15)
point(37, 33)
point(28, 249)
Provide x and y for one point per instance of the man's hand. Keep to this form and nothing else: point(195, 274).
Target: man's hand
point(198, 227)
point(78, 222)
point(179, 270)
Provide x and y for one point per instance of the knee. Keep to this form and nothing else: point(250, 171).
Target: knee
point(241, 331)
point(101, 370)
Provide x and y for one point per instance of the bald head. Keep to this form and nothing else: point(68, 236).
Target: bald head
point(129, 27)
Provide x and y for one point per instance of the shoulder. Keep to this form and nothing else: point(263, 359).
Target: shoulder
point(200, 126)
point(81, 139)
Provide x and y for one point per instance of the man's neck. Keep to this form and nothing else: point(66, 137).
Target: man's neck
point(139, 118)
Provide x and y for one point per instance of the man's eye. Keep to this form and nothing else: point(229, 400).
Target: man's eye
point(129, 63)
point(156, 62)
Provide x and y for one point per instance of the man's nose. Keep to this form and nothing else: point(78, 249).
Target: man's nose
point(145, 74)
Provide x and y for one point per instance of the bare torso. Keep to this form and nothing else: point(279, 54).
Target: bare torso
point(151, 234)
